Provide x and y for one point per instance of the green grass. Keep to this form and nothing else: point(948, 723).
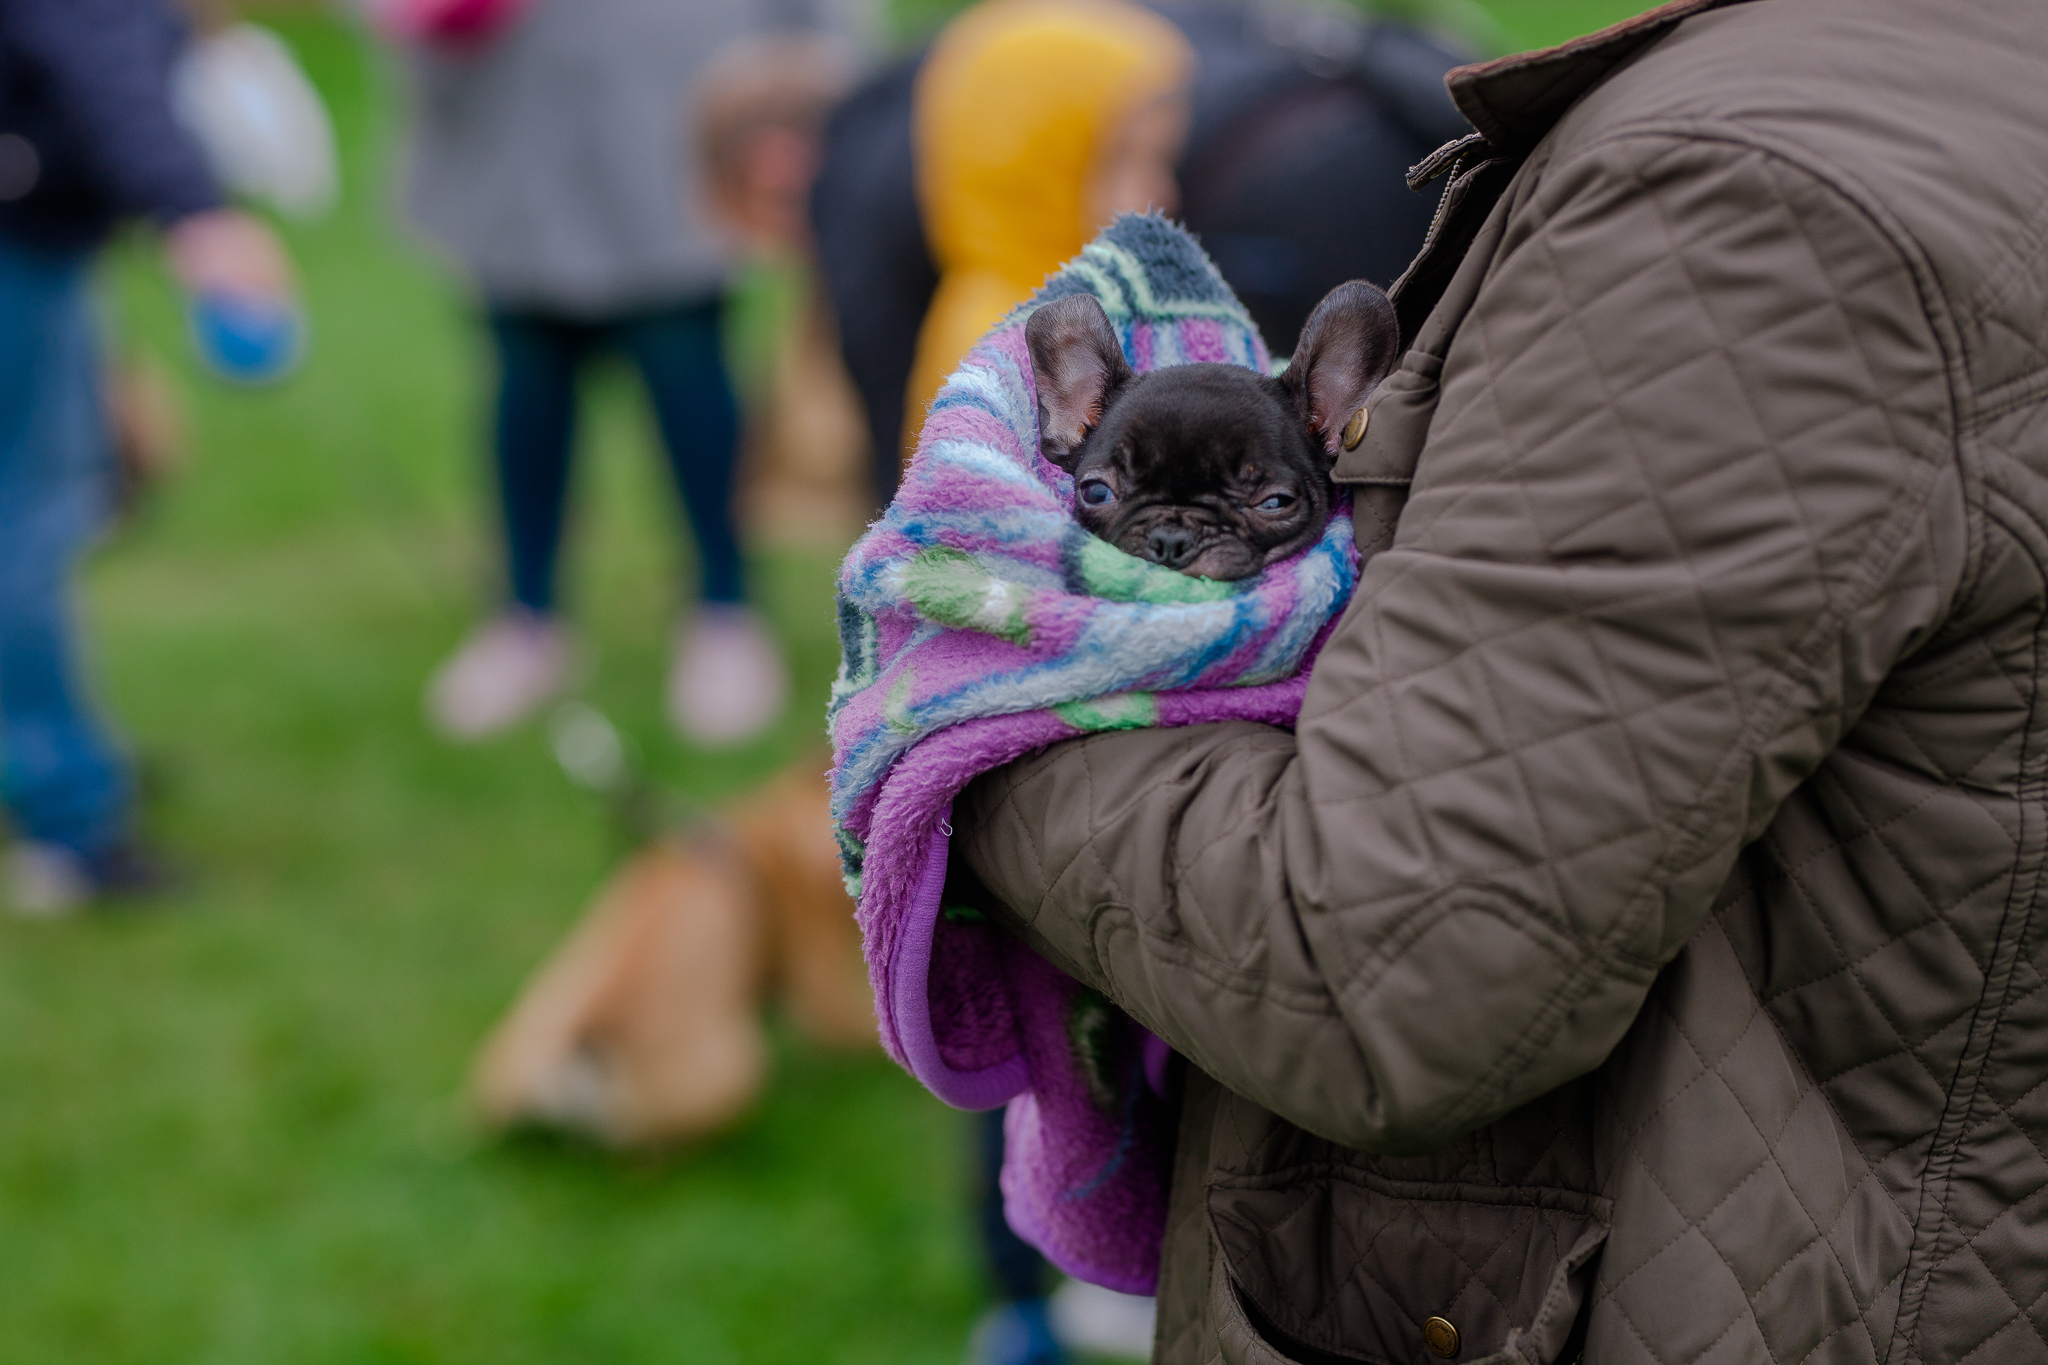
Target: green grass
point(1539, 23)
point(229, 1132)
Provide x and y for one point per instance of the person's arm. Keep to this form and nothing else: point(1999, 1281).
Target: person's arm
point(1689, 493)
point(107, 68)
point(105, 62)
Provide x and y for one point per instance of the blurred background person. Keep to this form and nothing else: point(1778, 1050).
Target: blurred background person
point(1304, 121)
point(1035, 122)
point(758, 118)
point(664, 978)
point(548, 158)
point(87, 139)
point(1307, 118)
point(876, 270)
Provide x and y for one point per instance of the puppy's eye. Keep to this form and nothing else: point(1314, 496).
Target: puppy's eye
point(1278, 502)
point(1096, 493)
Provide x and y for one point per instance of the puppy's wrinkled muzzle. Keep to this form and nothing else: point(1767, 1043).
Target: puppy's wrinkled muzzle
point(1172, 546)
point(1203, 552)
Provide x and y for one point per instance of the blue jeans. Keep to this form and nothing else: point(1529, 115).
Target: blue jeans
point(62, 778)
point(679, 355)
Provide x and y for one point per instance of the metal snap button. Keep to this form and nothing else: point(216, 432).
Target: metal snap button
point(1354, 430)
point(1441, 1336)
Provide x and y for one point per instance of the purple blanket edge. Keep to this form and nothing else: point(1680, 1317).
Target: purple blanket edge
point(910, 828)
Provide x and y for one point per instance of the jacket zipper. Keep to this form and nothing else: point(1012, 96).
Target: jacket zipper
point(1446, 161)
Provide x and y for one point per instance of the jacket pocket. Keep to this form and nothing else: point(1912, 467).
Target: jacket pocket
point(1338, 1266)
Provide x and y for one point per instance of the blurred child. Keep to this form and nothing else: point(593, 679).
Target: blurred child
point(759, 116)
point(758, 112)
point(548, 157)
point(87, 139)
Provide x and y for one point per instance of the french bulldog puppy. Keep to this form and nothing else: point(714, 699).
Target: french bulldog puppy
point(1214, 470)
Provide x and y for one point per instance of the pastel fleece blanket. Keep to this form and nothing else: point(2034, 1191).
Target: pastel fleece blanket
point(978, 622)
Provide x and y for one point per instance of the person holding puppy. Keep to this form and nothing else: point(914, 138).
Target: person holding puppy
point(1632, 954)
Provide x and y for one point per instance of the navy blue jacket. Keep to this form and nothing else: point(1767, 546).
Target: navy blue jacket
point(87, 137)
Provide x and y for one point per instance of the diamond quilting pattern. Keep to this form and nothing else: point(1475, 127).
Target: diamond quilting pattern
point(1814, 1029)
point(1718, 607)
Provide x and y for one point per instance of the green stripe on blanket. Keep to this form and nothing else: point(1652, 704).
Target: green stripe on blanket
point(949, 587)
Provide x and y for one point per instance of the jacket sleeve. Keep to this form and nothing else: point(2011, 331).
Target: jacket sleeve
point(1689, 491)
point(107, 67)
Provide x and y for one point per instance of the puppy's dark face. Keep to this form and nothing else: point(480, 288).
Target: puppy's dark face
point(1202, 468)
point(1213, 470)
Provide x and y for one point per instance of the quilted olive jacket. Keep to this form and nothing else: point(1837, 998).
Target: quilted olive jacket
point(1634, 951)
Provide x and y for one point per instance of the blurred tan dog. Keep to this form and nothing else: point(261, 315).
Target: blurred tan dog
point(644, 1027)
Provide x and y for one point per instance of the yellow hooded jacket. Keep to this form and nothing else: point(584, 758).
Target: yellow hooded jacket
point(1011, 111)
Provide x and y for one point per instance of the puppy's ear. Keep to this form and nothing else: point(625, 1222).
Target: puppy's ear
point(1078, 366)
point(1347, 347)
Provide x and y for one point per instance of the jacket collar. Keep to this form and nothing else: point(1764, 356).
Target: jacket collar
point(1514, 100)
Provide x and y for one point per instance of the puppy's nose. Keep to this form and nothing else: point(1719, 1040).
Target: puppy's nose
point(1169, 545)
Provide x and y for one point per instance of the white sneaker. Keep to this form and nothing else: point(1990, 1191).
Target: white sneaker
point(45, 881)
point(1088, 1318)
point(505, 671)
point(727, 683)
